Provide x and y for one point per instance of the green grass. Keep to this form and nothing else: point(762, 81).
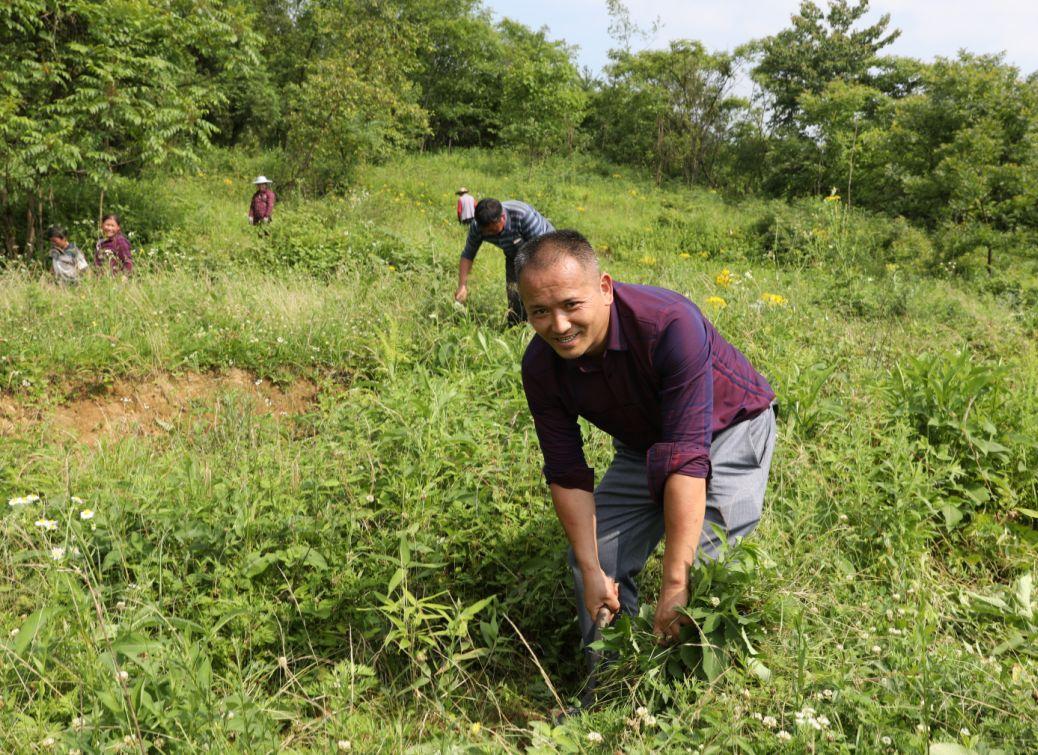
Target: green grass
point(285, 584)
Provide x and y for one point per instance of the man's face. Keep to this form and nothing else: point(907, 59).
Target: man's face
point(58, 242)
point(495, 228)
point(568, 306)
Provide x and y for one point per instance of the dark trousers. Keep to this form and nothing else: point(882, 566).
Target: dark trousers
point(516, 311)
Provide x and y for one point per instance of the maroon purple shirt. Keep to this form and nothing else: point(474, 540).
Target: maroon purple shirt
point(666, 383)
point(262, 205)
point(116, 251)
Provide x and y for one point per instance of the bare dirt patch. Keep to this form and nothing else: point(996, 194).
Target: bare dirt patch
point(153, 405)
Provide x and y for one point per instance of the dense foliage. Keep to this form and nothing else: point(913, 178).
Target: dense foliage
point(98, 91)
point(379, 564)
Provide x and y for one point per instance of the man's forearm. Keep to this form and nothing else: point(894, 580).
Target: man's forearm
point(684, 507)
point(464, 266)
point(576, 511)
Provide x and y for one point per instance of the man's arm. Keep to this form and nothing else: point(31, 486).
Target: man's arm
point(679, 464)
point(468, 255)
point(684, 508)
point(464, 267)
point(576, 511)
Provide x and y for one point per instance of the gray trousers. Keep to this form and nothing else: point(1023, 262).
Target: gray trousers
point(630, 523)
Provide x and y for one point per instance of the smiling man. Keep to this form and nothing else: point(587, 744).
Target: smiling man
point(692, 421)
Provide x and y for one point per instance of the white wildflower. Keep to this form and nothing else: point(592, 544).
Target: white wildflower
point(122, 676)
point(77, 500)
point(14, 632)
point(770, 721)
point(641, 711)
point(964, 732)
point(23, 501)
point(26, 384)
point(57, 553)
point(783, 736)
point(715, 601)
point(86, 514)
point(344, 745)
point(594, 737)
point(120, 606)
point(78, 723)
point(877, 649)
point(369, 498)
point(47, 524)
point(887, 741)
point(48, 742)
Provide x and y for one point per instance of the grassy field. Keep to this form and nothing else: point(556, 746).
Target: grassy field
point(306, 512)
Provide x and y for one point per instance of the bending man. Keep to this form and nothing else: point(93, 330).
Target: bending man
point(692, 423)
point(507, 225)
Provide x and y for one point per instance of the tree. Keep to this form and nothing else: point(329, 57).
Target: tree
point(94, 87)
point(668, 110)
point(542, 97)
point(357, 100)
point(817, 49)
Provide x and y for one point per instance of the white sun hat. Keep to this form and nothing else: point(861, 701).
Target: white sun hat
point(262, 180)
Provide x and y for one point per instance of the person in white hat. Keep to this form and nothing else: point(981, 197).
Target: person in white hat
point(466, 206)
point(261, 209)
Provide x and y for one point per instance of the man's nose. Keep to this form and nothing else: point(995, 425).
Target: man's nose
point(559, 322)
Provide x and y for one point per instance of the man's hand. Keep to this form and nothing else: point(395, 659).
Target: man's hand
point(599, 591)
point(461, 294)
point(668, 622)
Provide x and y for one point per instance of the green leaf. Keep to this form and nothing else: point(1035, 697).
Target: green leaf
point(949, 748)
point(28, 631)
point(759, 670)
point(952, 515)
point(713, 662)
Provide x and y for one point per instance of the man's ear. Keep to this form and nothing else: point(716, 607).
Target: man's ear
point(606, 285)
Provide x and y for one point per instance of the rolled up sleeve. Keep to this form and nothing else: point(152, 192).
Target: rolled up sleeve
point(682, 359)
point(558, 434)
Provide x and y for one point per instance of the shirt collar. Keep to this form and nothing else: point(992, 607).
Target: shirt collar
point(615, 340)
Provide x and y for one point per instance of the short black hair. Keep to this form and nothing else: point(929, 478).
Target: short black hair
point(548, 249)
point(57, 232)
point(488, 210)
point(112, 216)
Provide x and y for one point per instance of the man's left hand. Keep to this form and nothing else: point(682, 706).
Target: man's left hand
point(668, 622)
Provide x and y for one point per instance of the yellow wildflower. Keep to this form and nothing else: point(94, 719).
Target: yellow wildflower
point(684, 255)
point(228, 182)
point(704, 255)
point(476, 728)
point(716, 301)
point(724, 278)
point(648, 260)
point(580, 209)
point(392, 268)
point(773, 300)
point(891, 267)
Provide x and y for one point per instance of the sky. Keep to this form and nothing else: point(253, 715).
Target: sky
point(929, 28)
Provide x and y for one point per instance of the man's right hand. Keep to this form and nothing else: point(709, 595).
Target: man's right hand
point(599, 591)
point(461, 294)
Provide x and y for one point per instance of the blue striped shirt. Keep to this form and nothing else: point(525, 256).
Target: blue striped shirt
point(522, 223)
